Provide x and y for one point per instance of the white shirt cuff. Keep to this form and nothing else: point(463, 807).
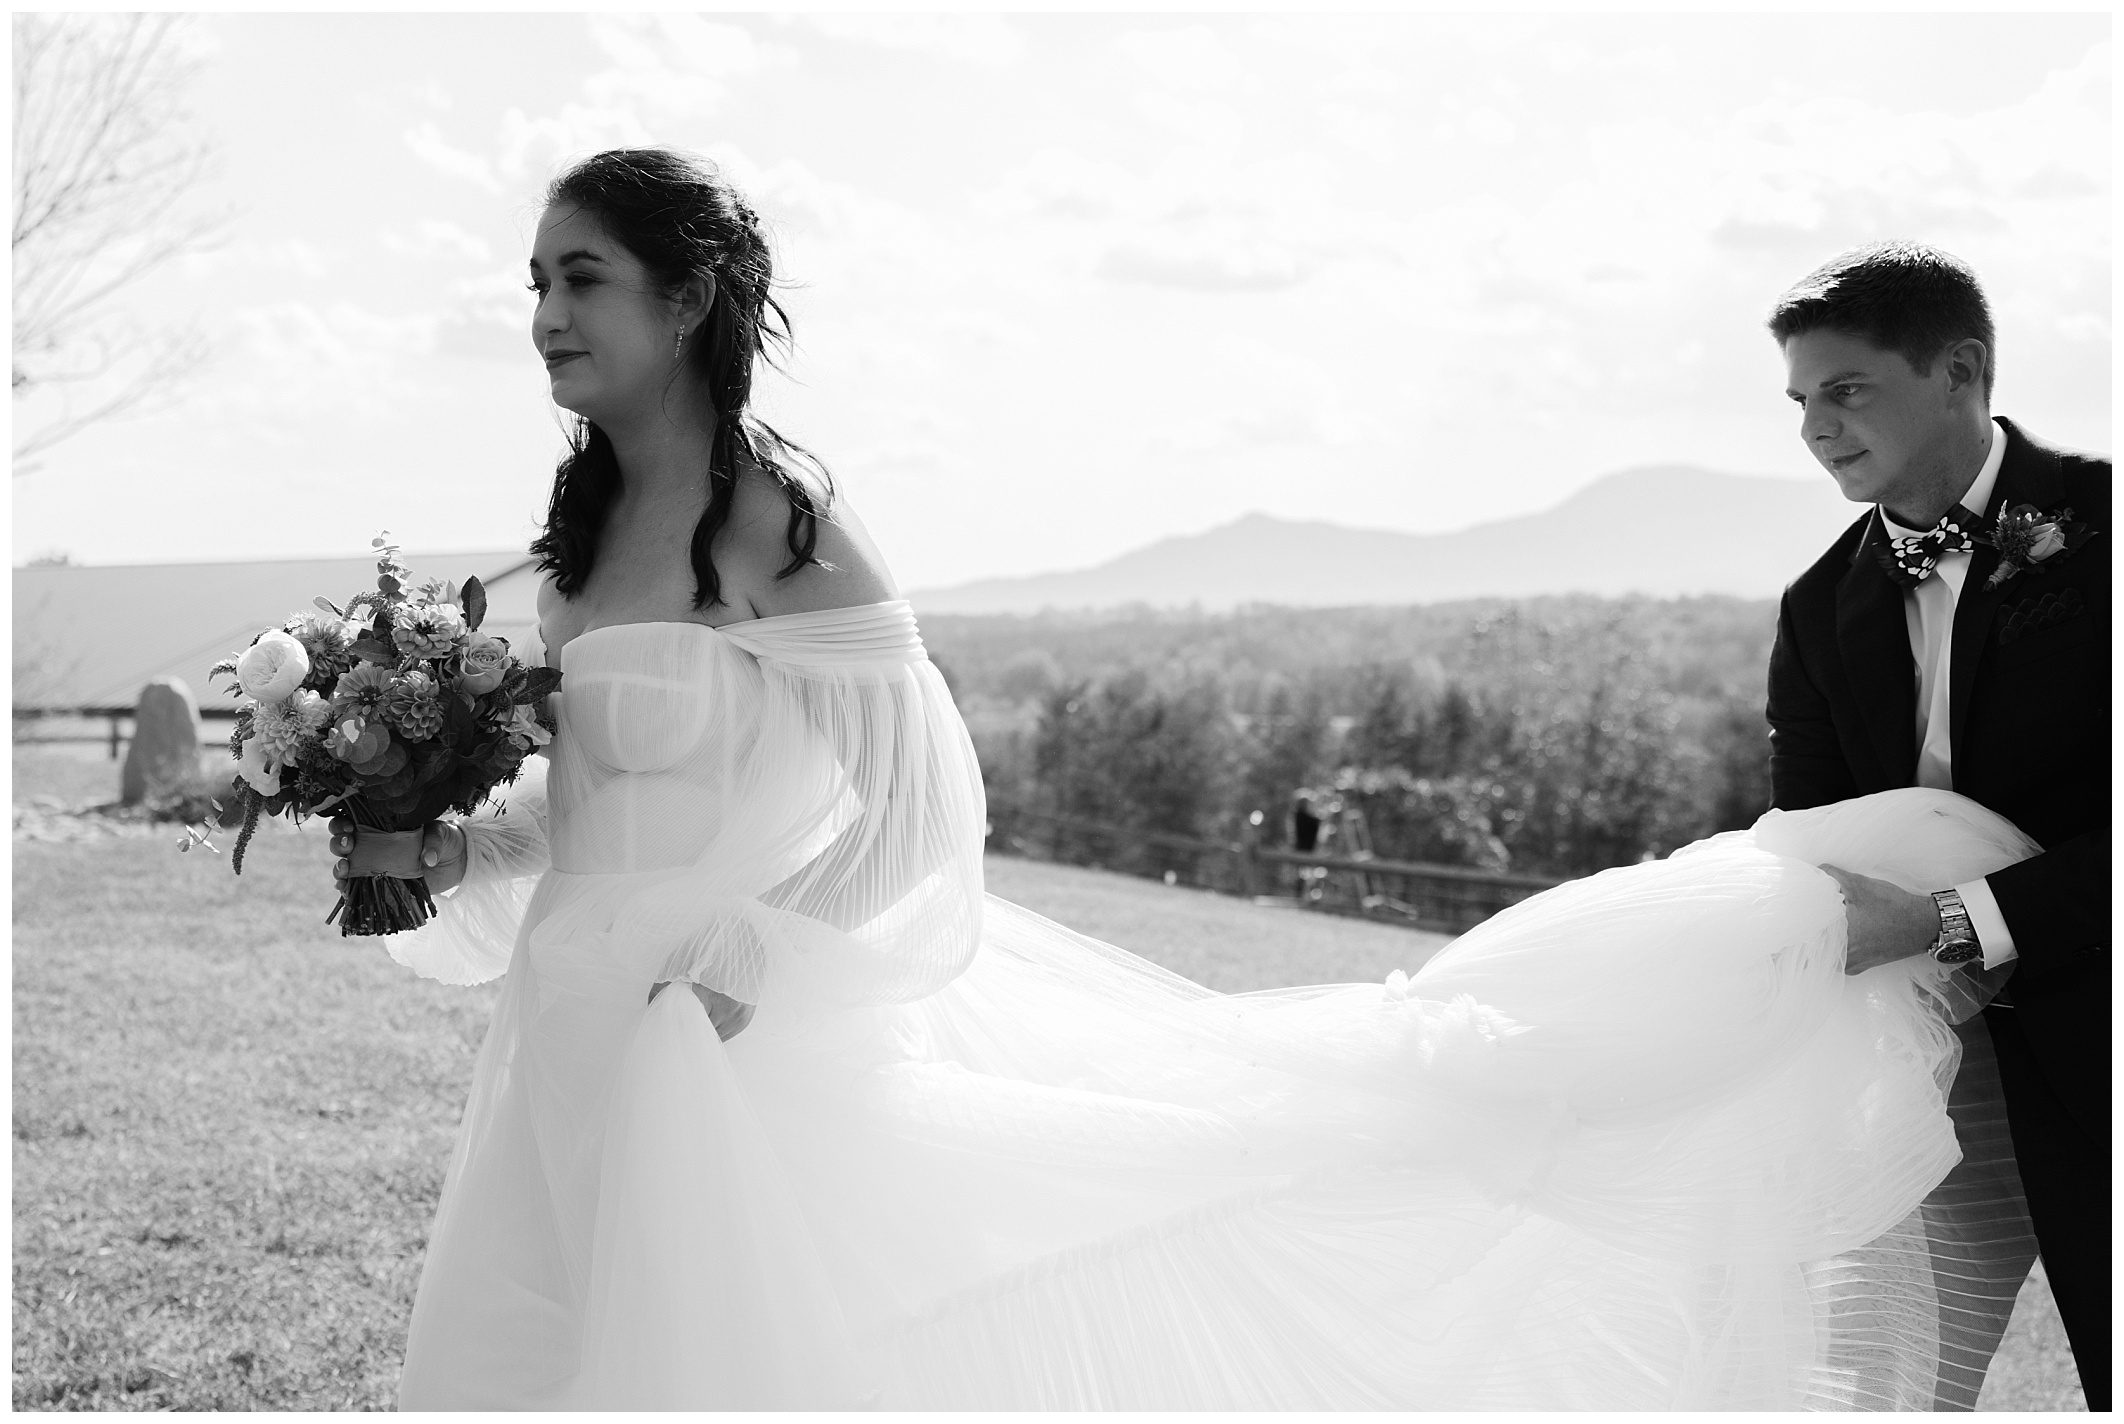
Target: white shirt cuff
point(1992, 935)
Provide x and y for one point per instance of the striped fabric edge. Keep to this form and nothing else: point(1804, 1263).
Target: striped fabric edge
point(859, 633)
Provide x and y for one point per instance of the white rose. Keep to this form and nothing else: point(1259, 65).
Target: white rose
point(272, 668)
point(2048, 539)
point(253, 767)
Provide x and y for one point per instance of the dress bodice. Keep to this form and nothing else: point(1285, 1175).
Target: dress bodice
point(785, 806)
point(656, 724)
point(743, 749)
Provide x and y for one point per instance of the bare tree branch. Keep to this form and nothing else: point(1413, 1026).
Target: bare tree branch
point(103, 163)
point(175, 355)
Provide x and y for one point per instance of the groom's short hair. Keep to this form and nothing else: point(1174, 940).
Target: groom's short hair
point(1903, 297)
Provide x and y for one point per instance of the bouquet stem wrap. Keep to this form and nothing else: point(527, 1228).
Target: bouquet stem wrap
point(386, 889)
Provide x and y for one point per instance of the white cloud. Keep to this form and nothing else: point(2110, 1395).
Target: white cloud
point(435, 238)
point(1194, 57)
point(796, 195)
point(1207, 263)
point(686, 44)
point(1211, 131)
point(488, 318)
point(540, 145)
point(1368, 129)
point(1504, 246)
point(664, 73)
point(897, 458)
point(965, 38)
point(842, 237)
point(982, 329)
point(1477, 126)
point(1244, 431)
point(666, 70)
point(431, 148)
point(297, 360)
point(1361, 56)
point(1248, 396)
point(294, 256)
point(2084, 328)
point(1054, 181)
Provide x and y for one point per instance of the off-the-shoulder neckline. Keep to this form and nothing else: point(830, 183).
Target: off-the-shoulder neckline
point(725, 628)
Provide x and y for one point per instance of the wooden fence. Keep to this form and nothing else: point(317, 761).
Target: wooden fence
point(120, 720)
point(1447, 898)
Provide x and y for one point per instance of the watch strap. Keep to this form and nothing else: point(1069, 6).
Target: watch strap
point(1957, 942)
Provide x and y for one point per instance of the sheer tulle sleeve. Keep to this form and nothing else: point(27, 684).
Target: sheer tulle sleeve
point(474, 930)
point(856, 876)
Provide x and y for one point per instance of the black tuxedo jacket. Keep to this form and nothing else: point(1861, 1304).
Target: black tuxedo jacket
point(2028, 700)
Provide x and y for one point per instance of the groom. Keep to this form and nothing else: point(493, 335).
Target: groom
point(1933, 645)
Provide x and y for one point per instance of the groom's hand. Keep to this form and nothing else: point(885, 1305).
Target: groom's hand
point(1884, 922)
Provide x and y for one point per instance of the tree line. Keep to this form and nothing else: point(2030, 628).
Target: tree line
point(1553, 736)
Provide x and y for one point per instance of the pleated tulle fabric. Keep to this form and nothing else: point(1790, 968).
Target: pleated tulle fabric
point(1637, 1143)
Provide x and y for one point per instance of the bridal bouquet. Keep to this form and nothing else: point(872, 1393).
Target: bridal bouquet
point(395, 709)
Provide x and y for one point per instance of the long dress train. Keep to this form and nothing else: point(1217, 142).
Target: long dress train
point(1637, 1143)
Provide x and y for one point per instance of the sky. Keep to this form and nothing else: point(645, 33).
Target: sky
point(1067, 284)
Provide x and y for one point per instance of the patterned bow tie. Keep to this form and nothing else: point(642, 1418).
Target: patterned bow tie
point(1911, 561)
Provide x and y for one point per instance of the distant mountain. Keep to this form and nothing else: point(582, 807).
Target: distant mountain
point(1662, 530)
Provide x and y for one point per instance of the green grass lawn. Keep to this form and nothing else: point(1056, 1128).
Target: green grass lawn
point(231, 1125)
point(1217, 940)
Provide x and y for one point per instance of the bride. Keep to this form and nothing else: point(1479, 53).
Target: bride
point(777, 1110)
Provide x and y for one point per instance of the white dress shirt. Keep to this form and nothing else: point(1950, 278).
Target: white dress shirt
point(1928, 612)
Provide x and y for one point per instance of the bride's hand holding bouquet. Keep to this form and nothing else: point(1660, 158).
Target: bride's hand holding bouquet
point(393, 711)
point(439, 857)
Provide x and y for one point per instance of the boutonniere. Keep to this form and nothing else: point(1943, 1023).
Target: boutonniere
point(2028, 538)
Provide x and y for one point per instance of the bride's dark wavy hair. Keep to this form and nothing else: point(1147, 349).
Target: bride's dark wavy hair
point(681, 218)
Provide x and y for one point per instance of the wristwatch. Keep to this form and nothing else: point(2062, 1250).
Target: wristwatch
point(1957, 943)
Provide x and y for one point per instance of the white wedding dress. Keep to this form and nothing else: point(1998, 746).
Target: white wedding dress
point(1635, 1144)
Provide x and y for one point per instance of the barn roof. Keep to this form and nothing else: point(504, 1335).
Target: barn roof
point(93, 635)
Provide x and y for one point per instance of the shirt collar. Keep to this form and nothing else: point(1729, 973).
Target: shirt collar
point(1975, 498)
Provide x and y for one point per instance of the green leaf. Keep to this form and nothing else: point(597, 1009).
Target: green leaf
point(461, 724)
point(328, 606)
point(538, 682)
point(372, 649)
point(473, 599)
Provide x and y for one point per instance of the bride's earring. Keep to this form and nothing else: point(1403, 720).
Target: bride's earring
point(679, 345)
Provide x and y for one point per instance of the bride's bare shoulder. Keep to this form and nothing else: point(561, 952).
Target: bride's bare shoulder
point(551, 610)
point(847, 570)
point(550, 598)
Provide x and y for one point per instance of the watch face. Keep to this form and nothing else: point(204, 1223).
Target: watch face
point(1956, 953)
